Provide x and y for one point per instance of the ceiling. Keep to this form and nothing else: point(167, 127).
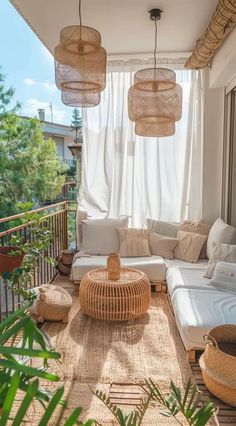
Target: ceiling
point(124, 24)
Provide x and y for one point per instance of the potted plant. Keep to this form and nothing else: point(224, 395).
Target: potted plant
point(22, 260)
point(11, 257)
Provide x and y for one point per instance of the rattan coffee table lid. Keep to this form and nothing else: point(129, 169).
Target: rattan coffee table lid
point(127, 275)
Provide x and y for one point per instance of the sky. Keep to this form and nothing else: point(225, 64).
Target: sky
point(29, 67)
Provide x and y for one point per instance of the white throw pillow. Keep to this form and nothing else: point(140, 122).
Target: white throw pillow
point(189, 246)
point(221, 252)
point(224, 277)
point(100, 235)
point(162, 245)
point(222, 233)
point(168, 229)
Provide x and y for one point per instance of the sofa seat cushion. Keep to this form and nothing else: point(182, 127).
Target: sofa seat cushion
point(177, 277)
point(201, 263)
point(154, 266)
point(197, 312)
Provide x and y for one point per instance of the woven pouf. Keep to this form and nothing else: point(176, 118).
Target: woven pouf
point(115, 300)
point(52, 303)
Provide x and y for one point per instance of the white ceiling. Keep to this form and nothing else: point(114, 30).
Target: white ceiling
point(124, 24)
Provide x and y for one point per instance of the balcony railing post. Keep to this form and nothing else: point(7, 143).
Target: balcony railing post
point(65, 242)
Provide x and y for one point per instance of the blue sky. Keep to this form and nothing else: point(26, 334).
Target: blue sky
point(29, 67)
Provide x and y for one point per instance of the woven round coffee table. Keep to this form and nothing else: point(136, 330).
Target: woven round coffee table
point(119, 300)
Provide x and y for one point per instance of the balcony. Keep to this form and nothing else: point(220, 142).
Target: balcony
point(59, 219)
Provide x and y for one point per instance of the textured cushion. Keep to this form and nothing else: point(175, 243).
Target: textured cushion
point(162, 246)
point(100, 235)
point(177, 277)
point(53, 303)
point(202, 227)
point(197, 312)
point(189, 246)
point(153, 266)
point(168, 229)
point(133, 242)
point(220, 233)
point(224, 277)
point(225, 252)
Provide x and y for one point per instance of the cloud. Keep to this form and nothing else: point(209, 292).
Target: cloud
point(46, 85)
point(31, 106)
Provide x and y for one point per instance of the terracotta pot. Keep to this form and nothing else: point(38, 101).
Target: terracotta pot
point(8, 262)
point(113, 266)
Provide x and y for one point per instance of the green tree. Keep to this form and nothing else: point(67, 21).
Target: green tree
point(76, 122)
point(30, 170)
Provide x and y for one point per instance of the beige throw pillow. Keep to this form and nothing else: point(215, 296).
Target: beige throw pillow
point(225, 252)
point(189, 246)
point(164, 228)
point(202, 228)
point(162, 246)
point(133, 242)
point(221, 233)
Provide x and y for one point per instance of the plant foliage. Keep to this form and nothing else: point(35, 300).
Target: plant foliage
point(30, 170)
point(17, 375)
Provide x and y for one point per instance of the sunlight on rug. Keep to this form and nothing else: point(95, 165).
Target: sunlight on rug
point(96, 354)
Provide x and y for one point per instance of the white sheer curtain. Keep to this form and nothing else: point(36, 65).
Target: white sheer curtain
point(124, 174)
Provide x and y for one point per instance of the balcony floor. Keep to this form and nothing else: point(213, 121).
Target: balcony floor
point(126, 395)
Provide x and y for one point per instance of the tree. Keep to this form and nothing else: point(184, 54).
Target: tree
point(30, 170)
point(76, 122)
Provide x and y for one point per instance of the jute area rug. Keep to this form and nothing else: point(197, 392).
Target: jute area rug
point(97, 353)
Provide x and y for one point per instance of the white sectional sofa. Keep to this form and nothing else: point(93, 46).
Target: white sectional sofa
point(197, 306)
point(154, 267)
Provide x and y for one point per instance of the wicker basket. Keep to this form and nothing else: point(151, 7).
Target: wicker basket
point(218, 363)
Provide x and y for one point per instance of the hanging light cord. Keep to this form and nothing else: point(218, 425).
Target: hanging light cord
point(80, 20)
point(155, 47)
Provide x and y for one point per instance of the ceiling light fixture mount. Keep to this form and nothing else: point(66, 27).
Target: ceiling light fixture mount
point(155, 14)
point(155, 99)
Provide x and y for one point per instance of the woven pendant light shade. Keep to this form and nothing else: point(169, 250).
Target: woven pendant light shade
point(155, 102)
point(78, 99)
point(80, 65)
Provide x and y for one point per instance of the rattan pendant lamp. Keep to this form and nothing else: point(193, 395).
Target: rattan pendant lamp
point(80, 65)
point(155, 99)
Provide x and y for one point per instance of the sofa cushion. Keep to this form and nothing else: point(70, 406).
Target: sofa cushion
point(168, 229)
point(100, 235)
point(202, 227)
point(189, 246)
point(220, 252)
point(162, 245)
point(197, 311)
point(222, 233)
point(224, 277)
point(154, 266)
point(133, 242)
point(186, 278)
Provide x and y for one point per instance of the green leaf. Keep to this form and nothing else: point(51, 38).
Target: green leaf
point(33, 372)
point(28, 352)
point(30, 394)
point(9, 400)
point(51, 407)
point(73, 417)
